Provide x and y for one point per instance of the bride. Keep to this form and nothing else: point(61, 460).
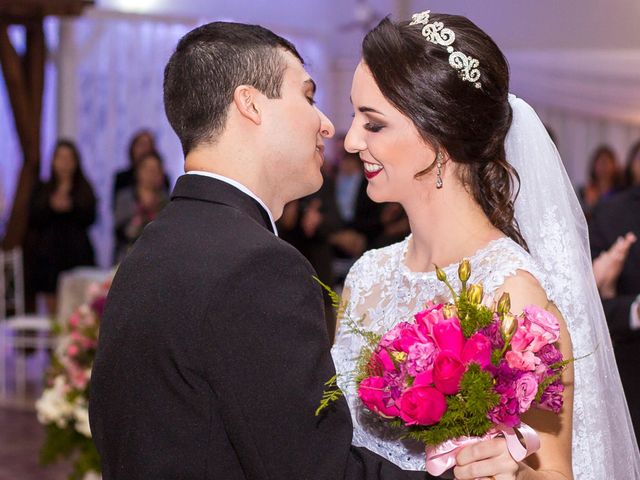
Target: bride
point(438, 132)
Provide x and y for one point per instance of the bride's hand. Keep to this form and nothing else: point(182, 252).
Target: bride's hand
point(486, 459)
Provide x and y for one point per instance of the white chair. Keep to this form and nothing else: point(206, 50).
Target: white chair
point(19, 332)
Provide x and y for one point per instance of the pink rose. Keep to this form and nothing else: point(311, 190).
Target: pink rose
point(422, 405)
point(477, 349)
point(406, 339)
point(375, 394)
point(389, 337)
point(447, 372)
point(521, 338)
point(522, 360)
point(427, 318)
point(73, 350)
point(543, 325)
point(421, 357)
point(448, 335)
point(526, 388)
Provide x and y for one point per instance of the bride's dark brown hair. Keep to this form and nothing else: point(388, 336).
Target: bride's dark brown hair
point(469, 123)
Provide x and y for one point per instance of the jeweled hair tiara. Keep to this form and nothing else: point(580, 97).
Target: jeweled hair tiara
point(436, 32)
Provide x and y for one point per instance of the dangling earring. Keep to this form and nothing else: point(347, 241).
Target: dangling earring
point(439, 170)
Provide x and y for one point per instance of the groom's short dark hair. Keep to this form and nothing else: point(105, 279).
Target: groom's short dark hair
point(207, 66)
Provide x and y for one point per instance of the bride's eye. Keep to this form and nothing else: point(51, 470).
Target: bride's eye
point(373, 127)
point(311, 100)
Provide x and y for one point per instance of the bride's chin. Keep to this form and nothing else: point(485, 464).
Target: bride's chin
point(377, 195)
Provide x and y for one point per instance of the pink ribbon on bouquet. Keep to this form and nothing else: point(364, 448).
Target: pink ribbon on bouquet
point(443, 457)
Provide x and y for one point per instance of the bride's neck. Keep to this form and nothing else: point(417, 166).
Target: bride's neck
point(446, 228)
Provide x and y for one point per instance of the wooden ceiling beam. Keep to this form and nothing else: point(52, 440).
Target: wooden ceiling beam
point(21, 11)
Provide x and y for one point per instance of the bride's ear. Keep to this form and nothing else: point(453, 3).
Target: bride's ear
point(247, 101)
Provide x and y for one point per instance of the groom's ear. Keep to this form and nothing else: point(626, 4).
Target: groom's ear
point(247, 101)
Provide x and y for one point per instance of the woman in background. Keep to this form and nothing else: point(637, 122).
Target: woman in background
point(61, 212)
point(604, 178)
point(138, 204)
point(632, 170)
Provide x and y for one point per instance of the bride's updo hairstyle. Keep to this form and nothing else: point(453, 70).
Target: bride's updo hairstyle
point(469, 122)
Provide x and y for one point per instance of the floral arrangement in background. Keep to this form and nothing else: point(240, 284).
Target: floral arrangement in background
point(63, 406)
point(461, 371)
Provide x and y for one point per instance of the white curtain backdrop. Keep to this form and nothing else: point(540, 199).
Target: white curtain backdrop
point(578, 135)
point(111, 70)
point(588, 97)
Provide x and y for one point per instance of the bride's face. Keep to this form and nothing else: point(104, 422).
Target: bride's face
point(388, 143)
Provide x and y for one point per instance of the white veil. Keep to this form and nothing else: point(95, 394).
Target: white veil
point(555, 229)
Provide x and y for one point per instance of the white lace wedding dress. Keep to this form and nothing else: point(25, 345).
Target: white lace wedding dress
point(383, 291)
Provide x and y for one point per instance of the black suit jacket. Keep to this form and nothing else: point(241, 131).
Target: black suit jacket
point(213, 352)
point(611, 219)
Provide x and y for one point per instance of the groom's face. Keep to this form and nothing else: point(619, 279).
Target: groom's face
point(297, 130)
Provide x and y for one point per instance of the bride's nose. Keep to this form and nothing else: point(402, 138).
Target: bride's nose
point(353, 142)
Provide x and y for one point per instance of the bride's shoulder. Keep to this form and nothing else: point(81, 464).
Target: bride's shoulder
point(507, 266)
point(524, 289)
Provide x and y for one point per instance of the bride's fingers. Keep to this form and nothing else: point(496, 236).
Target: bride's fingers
point(500, 467)
point(481, 450)
point(485, 459)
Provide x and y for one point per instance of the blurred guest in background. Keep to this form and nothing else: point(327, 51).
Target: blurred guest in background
point(395, 225)
point(142, 143)
point(61, 212)
point(614, 228)
point(139, 203)
point(632, 169)
point(359, 215)
point(307, 224)
point(604, 178)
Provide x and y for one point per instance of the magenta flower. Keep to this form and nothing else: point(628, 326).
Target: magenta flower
point(522, 360)
point(552, 397)
point(477, 349)
point(448, 336)
point(492, 332)
point(385, 360)
point(422, 405)
point(421, 357)
point(376, 396)
point(447, 372)
point(526, 388)
point(549, 355)
point(426, 319)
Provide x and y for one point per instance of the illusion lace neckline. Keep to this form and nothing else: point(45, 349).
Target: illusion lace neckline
point(407, 272)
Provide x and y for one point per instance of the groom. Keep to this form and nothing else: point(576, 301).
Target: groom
point(213, 349)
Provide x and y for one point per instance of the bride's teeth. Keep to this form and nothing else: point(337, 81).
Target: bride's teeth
point(372, 167)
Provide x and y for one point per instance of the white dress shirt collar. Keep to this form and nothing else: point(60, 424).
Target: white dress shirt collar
point(240, 187)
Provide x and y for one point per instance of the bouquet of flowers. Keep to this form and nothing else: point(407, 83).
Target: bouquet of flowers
point(63, 406)
point(462, 371)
